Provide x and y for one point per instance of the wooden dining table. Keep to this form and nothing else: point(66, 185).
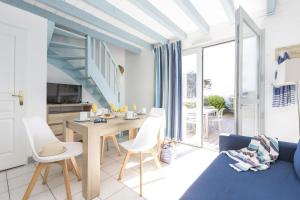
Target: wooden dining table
point(91, 133)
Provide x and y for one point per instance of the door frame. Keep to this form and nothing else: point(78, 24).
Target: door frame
point(18, 156)
point(198, 52)
point(242, 17)
point(200, 70)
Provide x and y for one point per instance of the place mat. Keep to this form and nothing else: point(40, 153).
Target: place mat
point(131, 118)
point(82, 120)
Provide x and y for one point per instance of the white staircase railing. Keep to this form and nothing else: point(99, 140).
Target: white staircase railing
point(103, 69)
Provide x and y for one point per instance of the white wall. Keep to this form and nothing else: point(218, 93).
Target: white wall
point(119, 56)
point(281, 29)
point(36, 66)
point(140, 79)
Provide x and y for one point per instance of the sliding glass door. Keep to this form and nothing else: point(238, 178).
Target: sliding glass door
point(249, 90)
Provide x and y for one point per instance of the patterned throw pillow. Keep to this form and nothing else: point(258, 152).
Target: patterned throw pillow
point(52, 149)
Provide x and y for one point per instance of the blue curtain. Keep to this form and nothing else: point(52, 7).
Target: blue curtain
point(168, 92)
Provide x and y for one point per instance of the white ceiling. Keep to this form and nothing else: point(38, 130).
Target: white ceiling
point(211, 10)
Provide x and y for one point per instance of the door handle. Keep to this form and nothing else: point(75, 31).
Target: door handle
point(20, 96)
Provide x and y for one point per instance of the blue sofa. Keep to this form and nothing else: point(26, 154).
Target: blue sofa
point(220, 182)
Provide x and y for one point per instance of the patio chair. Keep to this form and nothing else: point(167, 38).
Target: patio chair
point(218, 119)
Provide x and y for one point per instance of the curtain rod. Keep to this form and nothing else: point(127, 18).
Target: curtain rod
point(169, 42)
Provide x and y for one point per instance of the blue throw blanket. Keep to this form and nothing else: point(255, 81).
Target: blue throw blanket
point(259, 154)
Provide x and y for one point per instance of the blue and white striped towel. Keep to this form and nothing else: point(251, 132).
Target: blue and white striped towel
point(283, 95)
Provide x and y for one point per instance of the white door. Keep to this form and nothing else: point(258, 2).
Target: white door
point(12, 83)
point(249, 89)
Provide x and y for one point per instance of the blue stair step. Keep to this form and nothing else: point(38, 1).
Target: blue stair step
point(75, 68)
point(66, 33)
point(84, 78)
point(54, 44)
point(66, 57)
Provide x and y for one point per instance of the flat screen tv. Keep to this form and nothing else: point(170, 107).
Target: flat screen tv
point(63, 93)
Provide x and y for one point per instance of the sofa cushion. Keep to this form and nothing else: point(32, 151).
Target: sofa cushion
point(220, 181)
point(297, 160)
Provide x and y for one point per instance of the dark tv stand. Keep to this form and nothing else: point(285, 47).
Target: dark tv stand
point(57, 113)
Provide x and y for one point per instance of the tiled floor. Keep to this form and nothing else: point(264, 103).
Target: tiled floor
point(169, 182)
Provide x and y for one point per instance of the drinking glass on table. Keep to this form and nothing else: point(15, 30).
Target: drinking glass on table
point(94, 110)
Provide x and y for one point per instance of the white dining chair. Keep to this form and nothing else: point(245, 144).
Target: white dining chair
point(144, 142)
point(104, 138)
point(157, 112)
point(218, 119)
point(39, 135)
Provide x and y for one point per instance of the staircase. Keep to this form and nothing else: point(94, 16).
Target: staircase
point(88, 61)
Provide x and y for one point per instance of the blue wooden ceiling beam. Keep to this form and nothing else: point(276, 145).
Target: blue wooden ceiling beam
point(271, 7)
point(113, 11)
point(229, 9)
point(89, 18)
point(188, 8)
point(158, 16)
point(71, 24)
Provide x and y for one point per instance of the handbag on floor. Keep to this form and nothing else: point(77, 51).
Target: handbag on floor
point(168, 152)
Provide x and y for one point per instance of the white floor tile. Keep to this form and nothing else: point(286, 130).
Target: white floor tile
point(125, 193)
point(15, 172)
point(43, 196)
point(60, 192)
point(108, 160)
point(57, 179)
point(118, 158)
point(17, 194)
point(112, 169)
point(20, 181)
point(4, 196)
point(79, 196)
point(109, 187)
point(2, 176)
point(103, 175)
point(192, 161)
point(3, 187)
point(128, 174)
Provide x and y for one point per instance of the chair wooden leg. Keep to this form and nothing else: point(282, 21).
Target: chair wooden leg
point(124, 165)
point(102, 149)
point(114, 139)
point(76, 168)
point(33, 180)
point(141, 174)
point(155, 156)
point(107, 147)
point(66, 179)
point(159, 145)
point(46, 174)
